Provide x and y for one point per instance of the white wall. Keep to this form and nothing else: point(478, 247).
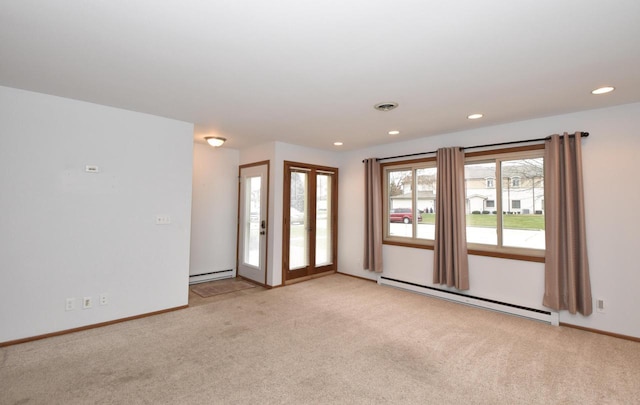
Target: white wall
point(610, 157)
point(67, 233)
point(214, 209)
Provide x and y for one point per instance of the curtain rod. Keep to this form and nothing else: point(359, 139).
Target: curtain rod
point(582, 134)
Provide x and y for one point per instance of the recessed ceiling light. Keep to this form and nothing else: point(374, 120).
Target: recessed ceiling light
point(603, 90)
point(394, 132)
point(388, 106)
point(474, 116)
point(338, 143)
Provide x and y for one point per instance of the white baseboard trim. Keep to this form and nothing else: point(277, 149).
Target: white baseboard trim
point(550, 317)
point(211, 276)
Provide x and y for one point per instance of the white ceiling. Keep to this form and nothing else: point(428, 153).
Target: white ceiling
point(309, 72)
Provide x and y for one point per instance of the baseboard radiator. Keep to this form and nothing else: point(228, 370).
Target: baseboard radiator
point(211, 276)
point(550, 317)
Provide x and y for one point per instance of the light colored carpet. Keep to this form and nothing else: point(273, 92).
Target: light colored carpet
point(220, 287)
point(330, 340)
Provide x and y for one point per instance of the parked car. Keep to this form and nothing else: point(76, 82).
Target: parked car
point(402, 215)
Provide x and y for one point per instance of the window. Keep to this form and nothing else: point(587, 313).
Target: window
point(515, 222)
point(400, 198)
point(505, 218)
point(409, 202)
point(480, 228)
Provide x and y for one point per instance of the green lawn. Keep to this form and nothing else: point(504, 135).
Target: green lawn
point(489, 220)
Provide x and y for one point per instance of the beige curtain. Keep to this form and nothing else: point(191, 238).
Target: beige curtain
point(567, 283)
point(450, 264)
point(372, 216)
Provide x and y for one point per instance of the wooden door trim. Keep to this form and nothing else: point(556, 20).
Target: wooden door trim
point(286, 214)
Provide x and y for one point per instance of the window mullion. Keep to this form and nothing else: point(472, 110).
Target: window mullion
point(499, 209)
point(414, 203)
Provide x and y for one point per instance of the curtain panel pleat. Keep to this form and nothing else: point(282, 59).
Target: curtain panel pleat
point(450, 264)
point(372, 216)
point(567, 281)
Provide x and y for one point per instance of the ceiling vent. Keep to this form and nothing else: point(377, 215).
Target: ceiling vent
point(385, 106)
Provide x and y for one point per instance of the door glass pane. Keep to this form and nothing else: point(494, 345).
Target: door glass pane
point(298, 234)
point(480, 203)
point(523, 203)
point(252, 221)
point(323, 220)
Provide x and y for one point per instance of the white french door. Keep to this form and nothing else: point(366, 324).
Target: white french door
point(253, 222)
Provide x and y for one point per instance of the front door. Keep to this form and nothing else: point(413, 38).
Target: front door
point(253, 222)
point(310, 220)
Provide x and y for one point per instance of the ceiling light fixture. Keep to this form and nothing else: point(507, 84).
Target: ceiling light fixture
point(394, 132)
point(215, 141)
point(474, 116)
point(338, 143)
point(603, 90)
point(388, 106)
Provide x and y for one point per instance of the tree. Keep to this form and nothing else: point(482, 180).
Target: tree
point(530, 172)
point(298, 188)
point(529, 169)
point(397, 181)
point(426, 178)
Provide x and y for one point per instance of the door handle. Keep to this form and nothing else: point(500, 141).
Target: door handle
point(263, 224)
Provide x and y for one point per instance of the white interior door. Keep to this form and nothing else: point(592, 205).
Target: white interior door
point(253, 223)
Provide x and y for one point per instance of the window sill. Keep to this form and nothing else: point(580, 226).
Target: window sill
point(505, 255)
point(407, 244)
point(475, 252)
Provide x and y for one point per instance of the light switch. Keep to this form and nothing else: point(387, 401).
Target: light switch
point(163, 219)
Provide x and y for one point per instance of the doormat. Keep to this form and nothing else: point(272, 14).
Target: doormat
point(220, 287)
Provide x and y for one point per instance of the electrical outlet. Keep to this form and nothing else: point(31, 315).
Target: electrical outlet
point(87, 303)
point(600, 305)
point(163, 219)
point(71, 304)
point(104, 299)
